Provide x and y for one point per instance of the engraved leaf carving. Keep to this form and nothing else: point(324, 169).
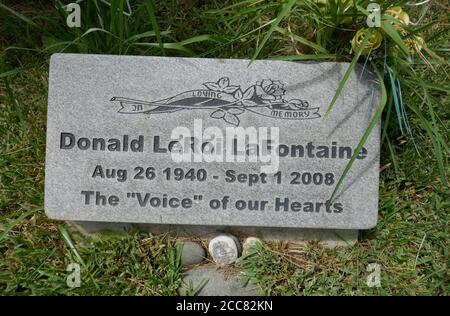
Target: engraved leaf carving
point(212, 86)
point(230, 89)
point(248, 94)
point(231, 119)
point(217, 114)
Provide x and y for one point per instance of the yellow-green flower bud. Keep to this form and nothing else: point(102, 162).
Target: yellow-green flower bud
point(400, 15)
point(372, 43)
point(404, 17)
point(414, 44)
point(394, 12)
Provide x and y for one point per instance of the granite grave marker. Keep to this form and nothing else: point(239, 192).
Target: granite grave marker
point(209, 142)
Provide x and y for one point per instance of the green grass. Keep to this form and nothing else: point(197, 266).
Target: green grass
point(410, 241)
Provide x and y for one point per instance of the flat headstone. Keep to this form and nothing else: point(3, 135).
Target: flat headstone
point(117, 126)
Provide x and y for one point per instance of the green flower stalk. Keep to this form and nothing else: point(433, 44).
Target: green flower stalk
point(371, 44)
point(343, 6)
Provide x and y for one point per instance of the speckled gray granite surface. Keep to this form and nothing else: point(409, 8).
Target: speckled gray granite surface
point(110, 125)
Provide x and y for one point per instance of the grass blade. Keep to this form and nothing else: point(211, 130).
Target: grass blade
point(393, 34)
point(235, 40)
point(388, 116)
point(68, 241)
point(20, 16)
point(10, 73)
point(304, 57)
point(302, 40)
point(393, 157)
point(15, 104)
point(232, 6)
point(435, 141)
point(366, 134)
point(196, 39)
point(143, 35)
point(15, 222)
point(348, 72)
point(181, 45)
point(70, 244)
point(284, 11)
point(151, 13)
point(174, 46)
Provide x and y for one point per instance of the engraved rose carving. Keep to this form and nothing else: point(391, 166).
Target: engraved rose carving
point(296, 104)
point(270, 90)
